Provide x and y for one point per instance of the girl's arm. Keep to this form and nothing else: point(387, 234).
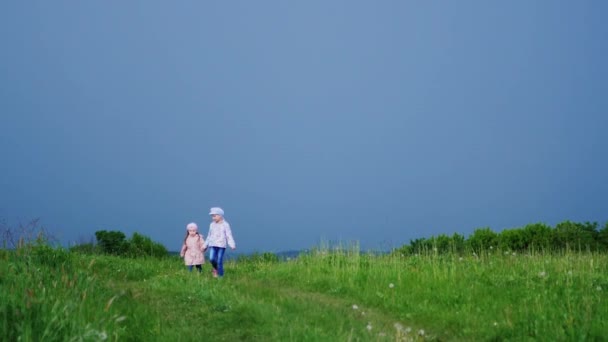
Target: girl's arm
point(229, 235)
point(183, 251)
point(201, 245)
point(201, 242)
point(206, 242)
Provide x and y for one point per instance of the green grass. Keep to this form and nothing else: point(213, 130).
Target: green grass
point(326, 295)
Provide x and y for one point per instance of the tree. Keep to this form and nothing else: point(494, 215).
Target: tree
point(141, 245)
point(575, 235)
point(111, 242)
point(482, 238)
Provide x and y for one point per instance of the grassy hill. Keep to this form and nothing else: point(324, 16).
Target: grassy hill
point(326, 295)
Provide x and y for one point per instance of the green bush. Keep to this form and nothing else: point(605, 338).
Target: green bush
point(111, 242)
point(482, 239)
point(140, 245)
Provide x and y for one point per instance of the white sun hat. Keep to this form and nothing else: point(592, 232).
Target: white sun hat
point(216, 211)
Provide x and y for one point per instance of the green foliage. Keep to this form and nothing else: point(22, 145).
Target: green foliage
point(141, 245)
point(578, 236)
point(85, 248)
point(115, 243)
point(602, 238)
point(482, 239)
point(534, 237)
point(111, 242)
point(537, 236)
point(49, 294)
point(512, 240)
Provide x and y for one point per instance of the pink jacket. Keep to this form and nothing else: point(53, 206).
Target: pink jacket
point(192, 250)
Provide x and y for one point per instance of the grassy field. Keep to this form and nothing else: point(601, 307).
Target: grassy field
point(329, 294)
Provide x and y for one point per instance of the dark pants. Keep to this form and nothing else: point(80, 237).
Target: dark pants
point(199, 268)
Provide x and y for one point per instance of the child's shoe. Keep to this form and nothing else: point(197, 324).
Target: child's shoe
point(214, 273)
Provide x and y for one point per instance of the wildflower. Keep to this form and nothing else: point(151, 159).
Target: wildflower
point(408, 330)
point(542, 274)
point(460, 259)
point(514, 254)
point(398, 326)
point(382, 334)
point(369, 327)
point(362, 313)
point(421, 332)
point(570, 272)
point(120, 319)
point(103, 336)
point(355, 307)
point(491, 247)
point(391, 285)
point(599, 288)
point(507, 253)
point(495, 324)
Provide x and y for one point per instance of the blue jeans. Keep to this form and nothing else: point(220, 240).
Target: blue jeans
point(216, 257)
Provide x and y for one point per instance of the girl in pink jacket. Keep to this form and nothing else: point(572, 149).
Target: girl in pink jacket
point(192, 249)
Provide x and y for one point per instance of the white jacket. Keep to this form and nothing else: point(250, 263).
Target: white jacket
point(219, 235)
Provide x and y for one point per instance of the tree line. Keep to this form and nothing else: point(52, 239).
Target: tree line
point(115, 242)
point(567, 235)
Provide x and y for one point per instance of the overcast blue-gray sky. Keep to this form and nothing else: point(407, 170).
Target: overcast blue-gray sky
point(374, 121)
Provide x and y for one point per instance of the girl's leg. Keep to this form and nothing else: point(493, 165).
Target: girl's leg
point(199, 268)
point(213, 257)
point(190, 268)
point(220, 261)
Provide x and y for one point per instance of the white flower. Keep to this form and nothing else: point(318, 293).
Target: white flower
point(599, 288)
point(514, 254)
point(369, 326)
point(421, 332)
point(120, 319)
point(460, 259)
point(391, 285)
point(398, 326)
point(542, 274)
point(491, 247)
point(408, 330)
point(495, 324)
point(355, 307)
point(569, 273)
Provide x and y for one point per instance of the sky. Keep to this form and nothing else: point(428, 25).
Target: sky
point(375, 122)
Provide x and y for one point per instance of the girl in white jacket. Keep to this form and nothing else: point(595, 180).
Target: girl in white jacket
point(219, 235)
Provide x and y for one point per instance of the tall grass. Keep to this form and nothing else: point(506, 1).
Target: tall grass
point(493, 295)
point(330, 293)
